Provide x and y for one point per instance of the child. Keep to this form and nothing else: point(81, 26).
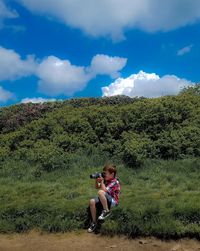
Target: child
point(108, 195)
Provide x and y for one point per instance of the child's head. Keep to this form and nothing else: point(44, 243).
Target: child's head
point(110, 171)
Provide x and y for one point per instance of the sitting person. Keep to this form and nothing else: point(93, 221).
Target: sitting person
point(108, 195)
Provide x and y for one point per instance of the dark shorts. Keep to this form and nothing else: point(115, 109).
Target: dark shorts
point(111, 202)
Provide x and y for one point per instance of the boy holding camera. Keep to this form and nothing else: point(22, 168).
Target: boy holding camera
point(108, 195)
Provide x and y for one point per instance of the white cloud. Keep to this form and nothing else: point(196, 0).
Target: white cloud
point(61, 77)
point(114, 17)
point(105, 65)
point(57, 76)
point(5, 95)
point(37, 100)
point(146, 85)
point(13, 67)
point(184, 50)
point(5, 12)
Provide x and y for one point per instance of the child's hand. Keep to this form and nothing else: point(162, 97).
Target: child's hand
point(101, 179)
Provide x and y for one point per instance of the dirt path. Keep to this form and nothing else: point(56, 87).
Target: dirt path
point(89, 242)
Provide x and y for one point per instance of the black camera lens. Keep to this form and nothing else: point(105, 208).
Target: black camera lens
point(95, 175)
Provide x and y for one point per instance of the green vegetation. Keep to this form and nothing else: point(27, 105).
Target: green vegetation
point(161, 199)
point(47, 152)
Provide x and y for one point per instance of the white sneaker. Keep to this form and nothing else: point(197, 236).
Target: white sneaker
point(92, 227)
point(104, 214)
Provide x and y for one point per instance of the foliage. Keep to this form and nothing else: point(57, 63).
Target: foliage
point(47, 152)
point(128, 129)
point(136, 149)
point(160, 199)
point(192, 90)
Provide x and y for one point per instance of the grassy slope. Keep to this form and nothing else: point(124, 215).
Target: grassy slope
point(161, 199)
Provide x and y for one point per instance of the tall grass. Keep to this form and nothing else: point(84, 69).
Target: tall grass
point(161, 199)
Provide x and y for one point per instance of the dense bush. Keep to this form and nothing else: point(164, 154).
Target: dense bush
point(136, 149)
point(128, 129)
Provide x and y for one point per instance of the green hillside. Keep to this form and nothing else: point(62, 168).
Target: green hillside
point(47, 152)
point(127, 129)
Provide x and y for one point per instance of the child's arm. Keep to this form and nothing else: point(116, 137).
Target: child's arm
point(103, 187)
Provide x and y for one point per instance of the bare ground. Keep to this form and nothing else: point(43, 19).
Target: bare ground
point(89, 242)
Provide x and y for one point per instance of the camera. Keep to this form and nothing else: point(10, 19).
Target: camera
point(97, 175)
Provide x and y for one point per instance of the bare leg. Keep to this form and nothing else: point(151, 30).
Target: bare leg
point(103, 199)
point(93, 210)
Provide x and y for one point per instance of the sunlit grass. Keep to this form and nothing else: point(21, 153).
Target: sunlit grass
point(161, 199)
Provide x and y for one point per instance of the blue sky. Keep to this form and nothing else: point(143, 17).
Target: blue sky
point(52, 50)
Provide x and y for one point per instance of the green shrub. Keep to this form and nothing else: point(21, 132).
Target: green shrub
point(136, 149)
point(48, 156)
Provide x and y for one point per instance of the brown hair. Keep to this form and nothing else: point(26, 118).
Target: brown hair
point(110, 168)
